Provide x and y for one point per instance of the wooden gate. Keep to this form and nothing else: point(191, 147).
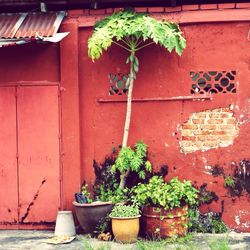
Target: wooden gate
point(29, 148)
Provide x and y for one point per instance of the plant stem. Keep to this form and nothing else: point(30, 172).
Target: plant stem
point(144, 46)
point(120, 45)
point(124, 175)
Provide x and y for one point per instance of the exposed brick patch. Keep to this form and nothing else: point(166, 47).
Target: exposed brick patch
point(208, 130)
point(226, 5)
point(190, 7)
point(208, 6)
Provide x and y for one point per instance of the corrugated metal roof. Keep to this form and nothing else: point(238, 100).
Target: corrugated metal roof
point(29, 25)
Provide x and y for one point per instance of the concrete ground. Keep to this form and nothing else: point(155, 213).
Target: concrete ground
point(29, 240)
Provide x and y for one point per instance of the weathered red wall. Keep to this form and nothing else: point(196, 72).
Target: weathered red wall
point(90, 129)
point(210, 47)
point(30, 62)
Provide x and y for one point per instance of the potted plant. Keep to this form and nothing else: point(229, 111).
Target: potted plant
point(88, 212)
point(125, 223)
point(165, 206)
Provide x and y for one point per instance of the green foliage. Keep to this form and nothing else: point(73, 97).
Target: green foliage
point(86, 193)
point(218, 226)
point(114, 195)
point(134, 31)
point(133, 160)
point(167, 195)
point(106, 187)
point(229, 181)
point(124, 211)
point(205, 223)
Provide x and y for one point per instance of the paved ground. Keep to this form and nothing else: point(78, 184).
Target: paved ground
point(29, 240)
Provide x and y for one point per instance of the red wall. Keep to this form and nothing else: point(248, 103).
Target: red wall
point(89, 129)
point(210, 46)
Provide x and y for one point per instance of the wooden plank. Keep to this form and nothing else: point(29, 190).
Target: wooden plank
point(38, 143)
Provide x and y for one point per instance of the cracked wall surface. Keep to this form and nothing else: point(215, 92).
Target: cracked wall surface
point(209, 129)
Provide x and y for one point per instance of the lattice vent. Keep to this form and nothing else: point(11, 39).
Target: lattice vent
point(213, 82)
point(118, 84)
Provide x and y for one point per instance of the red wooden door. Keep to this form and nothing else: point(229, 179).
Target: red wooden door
point(8, 156)
point(38, 149)
point(29, 148)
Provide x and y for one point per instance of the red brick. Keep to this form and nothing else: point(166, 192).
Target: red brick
point(109, 10)
point(213, 138)
point(85, 11)
point(187, 132)
point(208, 127)
point(190, 7)
point(242, 5)
point(231, 121)
point(173, 9)
point(188, 138)
point(214, 115)
point(198, 121)
point(227, 138)
point(208, 6)
point(200, 115)
point(118, 9)
point(215, 121)
point(75, 12)
point(141, 9)
point(201, 138)
point(226, 5)
point(226, 115)
point(210, 144)
point(226, 127)
point(188, 126)
point(156, 9)
point(97, 12)
point(218, 132)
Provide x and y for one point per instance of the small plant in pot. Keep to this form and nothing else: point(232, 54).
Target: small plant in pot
point(165, 206)
point(88, 212)
point(125, 223)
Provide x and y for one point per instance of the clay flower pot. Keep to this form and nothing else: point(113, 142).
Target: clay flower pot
point(126, 229)
point(158, 222)
point(90, 214)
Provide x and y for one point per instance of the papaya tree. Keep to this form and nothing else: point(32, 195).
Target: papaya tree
point(133, 32)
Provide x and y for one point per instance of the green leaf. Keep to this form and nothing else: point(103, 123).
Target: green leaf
point(126, 27)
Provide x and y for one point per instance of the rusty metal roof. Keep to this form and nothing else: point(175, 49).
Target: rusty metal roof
point(30, 25)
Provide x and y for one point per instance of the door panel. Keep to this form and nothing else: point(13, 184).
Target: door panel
point(38, 144)
point(8, 160)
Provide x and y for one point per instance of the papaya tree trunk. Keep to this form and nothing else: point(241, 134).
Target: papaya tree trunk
point(124, 175)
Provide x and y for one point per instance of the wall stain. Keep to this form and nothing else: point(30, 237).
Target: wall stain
point(32, 202)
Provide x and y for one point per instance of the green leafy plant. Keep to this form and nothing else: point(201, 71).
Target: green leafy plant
point(133, 32)
point(124, 211)
point(169, 195)
point(132, 160)
point(229, 181)
point(205, 223)
point(86, 193)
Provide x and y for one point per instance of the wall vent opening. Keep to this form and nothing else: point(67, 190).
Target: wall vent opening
point(213, 82)
point(118, 84)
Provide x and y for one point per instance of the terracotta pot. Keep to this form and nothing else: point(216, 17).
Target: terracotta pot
point(89, 215)
point(158, 222)
point(126, 229)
